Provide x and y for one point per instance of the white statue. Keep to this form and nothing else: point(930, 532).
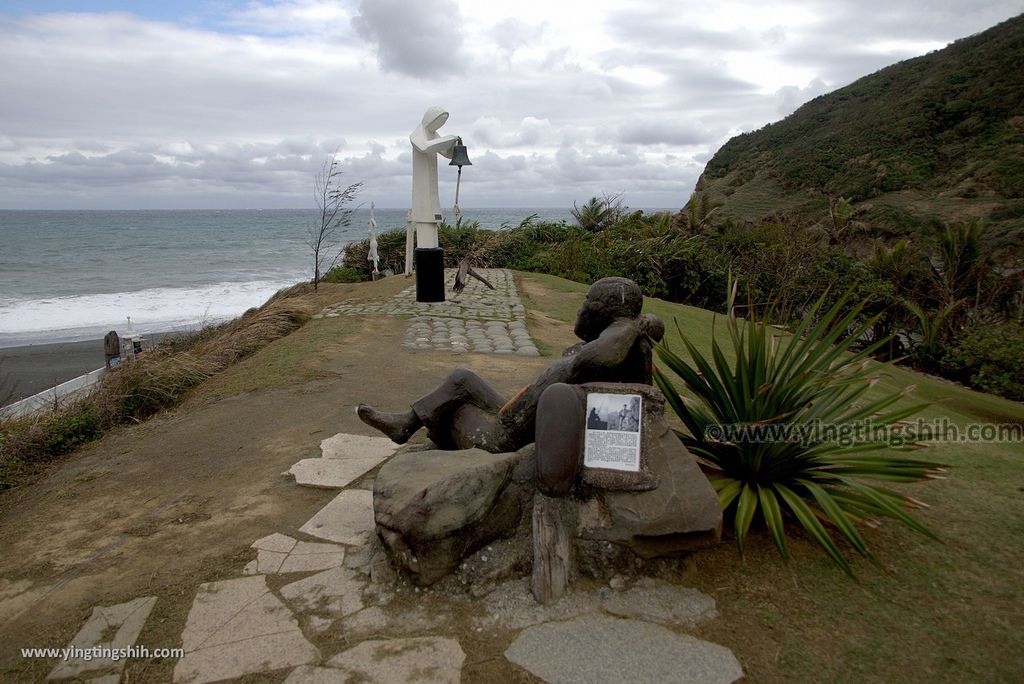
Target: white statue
point(426, 205)
point(372, 254)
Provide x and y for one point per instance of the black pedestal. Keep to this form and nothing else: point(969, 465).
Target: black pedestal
point(429, 274)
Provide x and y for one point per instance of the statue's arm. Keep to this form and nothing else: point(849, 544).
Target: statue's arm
point(442, 145)
point(611, 348)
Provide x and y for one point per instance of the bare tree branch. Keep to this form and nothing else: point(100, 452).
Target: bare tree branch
point(333, 214)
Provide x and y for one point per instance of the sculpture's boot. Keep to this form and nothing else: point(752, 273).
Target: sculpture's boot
point(400, 427)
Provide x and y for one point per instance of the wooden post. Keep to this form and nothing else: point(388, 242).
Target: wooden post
point(552, 550)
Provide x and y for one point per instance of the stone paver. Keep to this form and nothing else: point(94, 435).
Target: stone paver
point(266, 563)
point(329, 473)
point(271, 552)
point(276, 543)
point(310, 556)
point(344, 458)
point(595, 650)
point(332, 594)
point(300, 557)
point(307, 674)
point(113, 627)
point(478, 320)
point(238, 627)
point(347, 446)
point(364, 623)
point(347, 519)
point(663, 603)
point(445, 334)
point(429, 660)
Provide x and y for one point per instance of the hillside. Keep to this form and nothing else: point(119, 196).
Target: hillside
point(938, 137)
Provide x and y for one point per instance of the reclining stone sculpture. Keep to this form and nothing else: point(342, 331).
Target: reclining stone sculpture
point(433, 508)
point(464, 411)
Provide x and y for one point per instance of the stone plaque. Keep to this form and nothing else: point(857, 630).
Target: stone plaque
point(617, 439)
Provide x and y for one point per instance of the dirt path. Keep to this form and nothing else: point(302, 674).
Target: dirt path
point(161, 507)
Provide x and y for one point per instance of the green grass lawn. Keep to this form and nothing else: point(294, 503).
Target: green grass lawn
point(949, 611)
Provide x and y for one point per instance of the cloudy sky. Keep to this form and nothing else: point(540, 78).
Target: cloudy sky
point(234, 104)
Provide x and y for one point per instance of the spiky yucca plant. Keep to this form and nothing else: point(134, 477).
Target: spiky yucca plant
point(789, 384)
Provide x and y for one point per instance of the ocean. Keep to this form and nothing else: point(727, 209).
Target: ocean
point(74, 275)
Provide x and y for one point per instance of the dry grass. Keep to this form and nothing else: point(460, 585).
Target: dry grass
point(253, 331)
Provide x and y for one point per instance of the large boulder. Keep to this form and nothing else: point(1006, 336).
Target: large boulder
point(432, 508)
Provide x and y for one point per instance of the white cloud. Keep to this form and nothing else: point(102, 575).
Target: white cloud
point(788, 98)
point(421, 38)
point(557, 102)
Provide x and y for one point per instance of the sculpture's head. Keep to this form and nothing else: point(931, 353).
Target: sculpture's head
point(607, 299)
point(434, 118)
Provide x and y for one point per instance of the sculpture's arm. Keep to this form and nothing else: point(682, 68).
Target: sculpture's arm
point(611, 347)
point(442, 145)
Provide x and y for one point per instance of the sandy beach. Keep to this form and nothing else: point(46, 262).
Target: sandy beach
point(24, 371)
point(30, 369)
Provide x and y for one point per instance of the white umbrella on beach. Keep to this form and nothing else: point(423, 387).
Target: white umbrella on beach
point(372, 254)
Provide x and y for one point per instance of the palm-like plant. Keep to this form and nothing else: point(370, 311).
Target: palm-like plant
point(842, 213)
point(777, 395)
point(695, 214)
point(934, 328)
point(599, 213)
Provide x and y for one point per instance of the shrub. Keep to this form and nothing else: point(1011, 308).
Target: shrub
point(793, 385)
point(390, 253)
point(29, 441)
point(343, 274)
point(990, 357)
point(67, 430)
point(52, 433)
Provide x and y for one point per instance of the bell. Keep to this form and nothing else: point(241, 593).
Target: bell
point(459, 156)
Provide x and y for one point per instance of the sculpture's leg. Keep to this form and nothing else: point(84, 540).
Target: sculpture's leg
point(461, 387)
point(438, 410)
point(400, 427)
point(559, 438)
point(473, 426)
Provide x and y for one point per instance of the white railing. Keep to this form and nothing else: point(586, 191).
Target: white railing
point(50, 398)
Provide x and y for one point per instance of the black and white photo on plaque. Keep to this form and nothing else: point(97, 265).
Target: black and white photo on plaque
point(613, 431)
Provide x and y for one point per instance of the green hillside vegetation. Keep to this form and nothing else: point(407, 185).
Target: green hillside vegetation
point(932, 139)
point(951, 303)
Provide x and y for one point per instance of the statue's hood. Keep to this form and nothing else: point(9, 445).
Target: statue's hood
point(434, 118)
